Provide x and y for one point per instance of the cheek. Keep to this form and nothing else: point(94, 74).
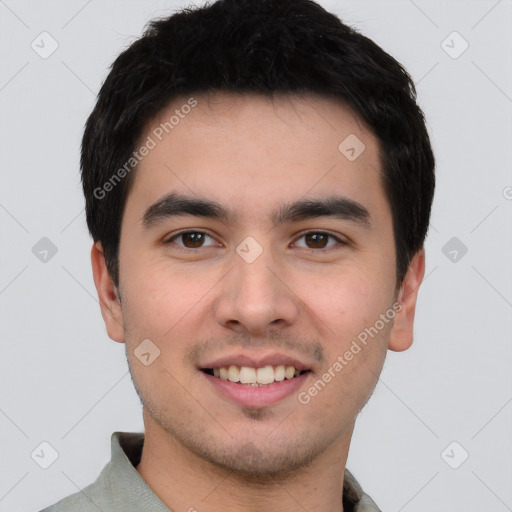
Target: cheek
point(159, 300)
point(355, 344)
point(347, 301)
point(172, 309)
point(159, 306)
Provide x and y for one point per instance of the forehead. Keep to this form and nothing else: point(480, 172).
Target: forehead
point(250, 151)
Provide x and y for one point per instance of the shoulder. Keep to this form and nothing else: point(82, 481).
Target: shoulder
point(74, 503)
point(92, 498)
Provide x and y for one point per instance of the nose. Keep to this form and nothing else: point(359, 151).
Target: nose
point(256, 297)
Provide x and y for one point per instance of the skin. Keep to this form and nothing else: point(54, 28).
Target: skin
point(252, 154)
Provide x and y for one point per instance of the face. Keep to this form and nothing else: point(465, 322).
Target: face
point(254, 247)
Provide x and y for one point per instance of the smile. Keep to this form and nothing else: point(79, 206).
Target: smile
point(246, 375)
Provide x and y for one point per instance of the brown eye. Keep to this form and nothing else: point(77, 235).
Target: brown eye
point(193, 240)
point(318, 240)
point(190, 239)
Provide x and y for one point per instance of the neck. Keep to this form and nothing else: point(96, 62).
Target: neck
point(185, 482)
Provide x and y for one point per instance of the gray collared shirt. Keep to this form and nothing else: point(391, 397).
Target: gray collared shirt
point(120, 488)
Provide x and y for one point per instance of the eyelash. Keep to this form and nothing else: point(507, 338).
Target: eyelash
point(330, 235)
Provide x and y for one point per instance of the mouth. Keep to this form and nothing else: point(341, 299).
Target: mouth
point(255, 376)
point(257, 379)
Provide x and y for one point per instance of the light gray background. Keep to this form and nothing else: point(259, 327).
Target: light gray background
point(64, 382)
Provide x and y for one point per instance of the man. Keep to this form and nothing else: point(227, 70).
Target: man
point(258, 181)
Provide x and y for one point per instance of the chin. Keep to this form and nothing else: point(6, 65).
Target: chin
point(251, 463)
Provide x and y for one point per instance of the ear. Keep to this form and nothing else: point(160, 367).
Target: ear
point(402, 331)
point(107, 294)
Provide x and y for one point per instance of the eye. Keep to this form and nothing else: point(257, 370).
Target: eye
point(318, 240)
point(191, 239)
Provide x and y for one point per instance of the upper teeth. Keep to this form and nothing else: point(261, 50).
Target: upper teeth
point(255, 376)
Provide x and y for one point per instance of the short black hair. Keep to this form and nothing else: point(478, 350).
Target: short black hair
point(266, 47)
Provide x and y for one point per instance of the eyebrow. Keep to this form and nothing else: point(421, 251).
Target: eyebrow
point(175, 205)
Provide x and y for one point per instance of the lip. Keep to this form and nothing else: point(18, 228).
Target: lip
point(255, 361)
point(256, 396)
